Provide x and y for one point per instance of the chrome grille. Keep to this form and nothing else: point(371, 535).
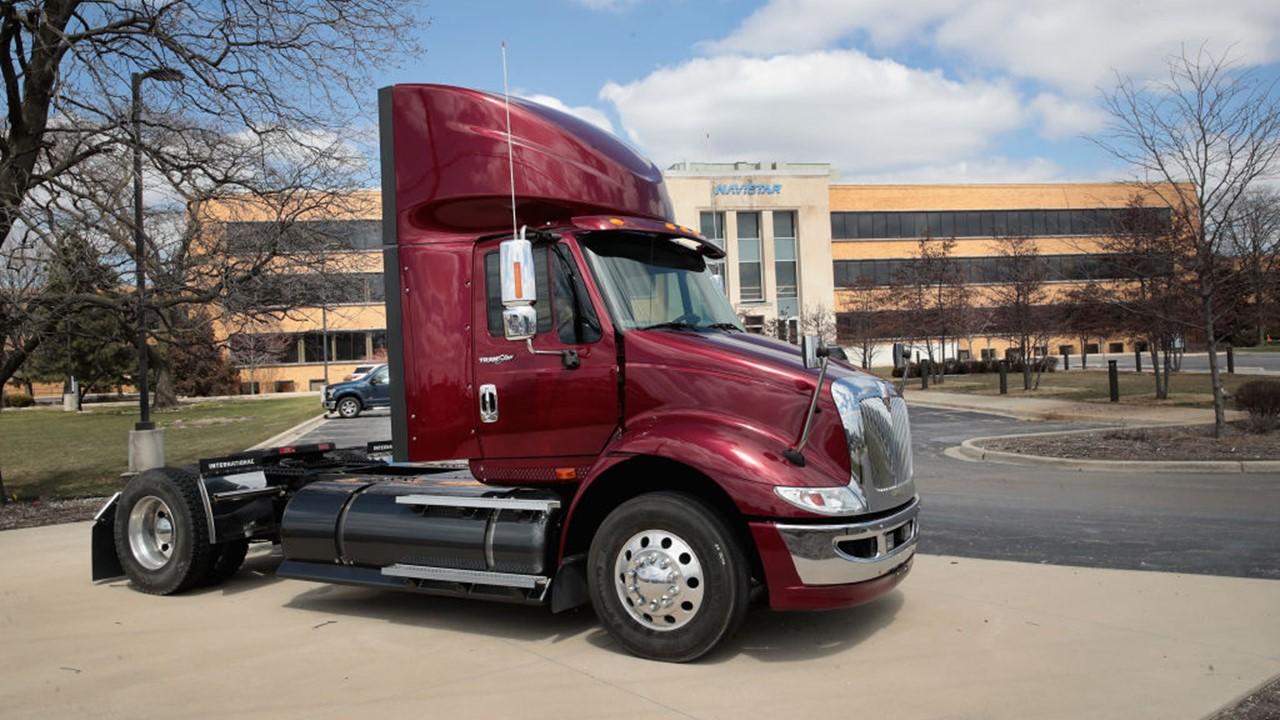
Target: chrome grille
point(879, 436)
point(886, 461)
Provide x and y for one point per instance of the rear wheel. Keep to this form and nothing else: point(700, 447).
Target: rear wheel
point(161, 534)
point(349, 407)
point(668, 578)
point(225, 561)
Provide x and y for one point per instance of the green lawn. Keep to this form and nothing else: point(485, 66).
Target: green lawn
point(48, 453)
point(1185, 389)
point(1274, 348)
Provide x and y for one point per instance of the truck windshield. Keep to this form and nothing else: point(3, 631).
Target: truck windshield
point(651, 282)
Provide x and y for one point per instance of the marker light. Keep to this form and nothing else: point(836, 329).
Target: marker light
point(615, 221)
point(823, 501)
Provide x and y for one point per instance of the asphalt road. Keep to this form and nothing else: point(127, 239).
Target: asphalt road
point(1227, 524)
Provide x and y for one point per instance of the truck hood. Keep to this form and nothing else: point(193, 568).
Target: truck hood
point(755, 357)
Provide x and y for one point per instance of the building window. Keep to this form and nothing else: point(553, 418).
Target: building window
point(711, 225)
point(985, 270)
point(750, 275)
point(1066, 349)
point(784, 253)
point(986, 223)
point(988, 353)
point(1115, 347)
point(753, 324)
point(1091, 348)
point(301, 236)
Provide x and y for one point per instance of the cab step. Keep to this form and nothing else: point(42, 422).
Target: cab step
point(469, 577)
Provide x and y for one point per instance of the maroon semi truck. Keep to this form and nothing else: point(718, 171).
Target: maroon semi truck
point(622, 441)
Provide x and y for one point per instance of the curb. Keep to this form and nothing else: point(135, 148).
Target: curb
point(292, 433)
point(970, 451)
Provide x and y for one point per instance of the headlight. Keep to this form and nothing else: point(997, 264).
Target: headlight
point(823, 501)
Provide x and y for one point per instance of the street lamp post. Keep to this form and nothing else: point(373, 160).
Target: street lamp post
point(146, 449)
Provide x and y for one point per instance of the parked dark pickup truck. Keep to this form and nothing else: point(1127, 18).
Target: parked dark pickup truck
point(349, 399)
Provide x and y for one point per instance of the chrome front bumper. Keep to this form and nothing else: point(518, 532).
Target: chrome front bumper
point(852, 553)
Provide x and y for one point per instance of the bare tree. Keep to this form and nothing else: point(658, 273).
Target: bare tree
point(1087, 316)
point(1145, 284)
point(1020, 302)
point(1198, 140)
point(1254, 234)
point(932, 296)
point(864, 303)
point(253, 350)
point(272, 72)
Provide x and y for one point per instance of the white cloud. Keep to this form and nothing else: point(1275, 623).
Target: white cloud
point(1073, 46)
point(583, 112)
point(865, 116)
point(981, 170)
point(1064, 118)
point(607, 5)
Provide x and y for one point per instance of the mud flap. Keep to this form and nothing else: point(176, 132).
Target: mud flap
point(106, 565)
point(569, 588)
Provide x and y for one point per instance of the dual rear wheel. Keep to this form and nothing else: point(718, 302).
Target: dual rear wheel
point(162, 535)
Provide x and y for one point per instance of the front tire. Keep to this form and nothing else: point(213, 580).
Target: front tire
point(349, 407)
point(668, 578)
point(161, 533)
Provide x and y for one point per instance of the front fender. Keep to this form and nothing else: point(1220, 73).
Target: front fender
point(743, 459)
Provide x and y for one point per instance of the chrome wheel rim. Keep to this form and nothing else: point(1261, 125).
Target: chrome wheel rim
point(659, 580)
point(151, 532)
point(347, 408)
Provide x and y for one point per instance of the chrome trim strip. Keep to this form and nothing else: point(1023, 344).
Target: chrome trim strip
point(819, 561)
point(243, 493)
point(474, 577)
point(103, 510)
point(489, 503)
point(208, 511)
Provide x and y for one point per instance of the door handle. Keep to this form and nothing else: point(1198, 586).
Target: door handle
point(488, 403)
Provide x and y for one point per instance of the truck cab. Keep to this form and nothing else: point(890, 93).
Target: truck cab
point(577, 415)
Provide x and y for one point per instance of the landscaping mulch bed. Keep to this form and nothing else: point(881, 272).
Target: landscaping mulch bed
point(1172, 443)
point(35, 513)
point(1261, 705)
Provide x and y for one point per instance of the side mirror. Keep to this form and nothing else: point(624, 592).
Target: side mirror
point(809, 347)
point(519, 288)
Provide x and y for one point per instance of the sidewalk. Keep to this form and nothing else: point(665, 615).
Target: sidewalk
point(1035, 408)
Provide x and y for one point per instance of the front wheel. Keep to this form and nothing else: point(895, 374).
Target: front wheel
point(349, 407)
point(668, 578)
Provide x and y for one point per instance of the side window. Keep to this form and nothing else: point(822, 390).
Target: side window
point(576, 321)
point(381, 376)
point(493, 291)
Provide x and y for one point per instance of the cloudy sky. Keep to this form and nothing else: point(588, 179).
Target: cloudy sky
point(885, 90)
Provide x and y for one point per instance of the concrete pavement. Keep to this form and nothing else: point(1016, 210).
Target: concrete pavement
point(961, 638)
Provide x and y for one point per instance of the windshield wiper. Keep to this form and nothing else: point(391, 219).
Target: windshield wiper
point(670, 325)
point(722, 326)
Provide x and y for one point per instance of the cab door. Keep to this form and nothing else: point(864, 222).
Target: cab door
point(537, 413)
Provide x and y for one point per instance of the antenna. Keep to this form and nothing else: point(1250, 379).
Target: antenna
point(511, 157)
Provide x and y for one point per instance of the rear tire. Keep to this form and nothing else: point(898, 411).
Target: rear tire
point(667, 576)
point(349, 407)
point(225, 561)
point(161, 533)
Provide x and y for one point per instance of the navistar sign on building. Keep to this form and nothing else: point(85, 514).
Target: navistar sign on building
point(774, 222)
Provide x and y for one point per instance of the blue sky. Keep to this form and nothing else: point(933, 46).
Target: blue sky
point(885, 90)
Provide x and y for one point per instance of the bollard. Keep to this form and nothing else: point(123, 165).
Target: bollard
point(1137, 359)
point(924, 374)
point(1113, 376)
point(1231, 360)
point(1004, 377)
point(1066, 361)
